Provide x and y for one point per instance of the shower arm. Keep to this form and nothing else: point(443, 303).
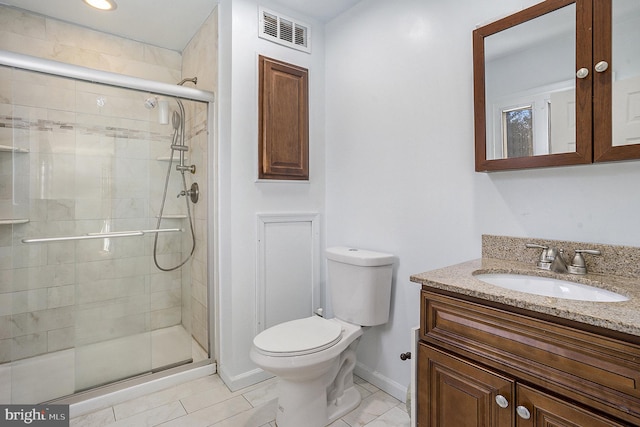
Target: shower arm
point(193, 80)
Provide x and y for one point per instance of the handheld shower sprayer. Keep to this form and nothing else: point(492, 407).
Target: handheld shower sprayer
point(177, 144)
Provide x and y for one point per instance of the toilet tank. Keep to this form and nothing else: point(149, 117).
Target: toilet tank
point(360, 285)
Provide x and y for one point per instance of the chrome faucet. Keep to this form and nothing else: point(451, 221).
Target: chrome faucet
point(558, 264)
point(552, 259)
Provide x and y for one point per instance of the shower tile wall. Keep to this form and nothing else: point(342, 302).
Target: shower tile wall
point(48, 38)
point(199, 58)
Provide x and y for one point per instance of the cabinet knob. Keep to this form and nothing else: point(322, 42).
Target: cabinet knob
point(602, 66)
point(502, 401)
point(405, 356)
point(523, 412)
point(582, 73)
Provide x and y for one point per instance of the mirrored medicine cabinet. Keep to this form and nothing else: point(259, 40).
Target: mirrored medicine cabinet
point(558, 84)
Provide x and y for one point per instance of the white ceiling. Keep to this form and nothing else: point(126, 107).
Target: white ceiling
point(166, 23)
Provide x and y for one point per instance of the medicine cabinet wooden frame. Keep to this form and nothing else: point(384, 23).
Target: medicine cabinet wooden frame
point(283, 122)
point(593, 93)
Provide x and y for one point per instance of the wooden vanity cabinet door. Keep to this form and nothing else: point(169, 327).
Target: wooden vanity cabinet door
point(548, 411)
point(453, 392)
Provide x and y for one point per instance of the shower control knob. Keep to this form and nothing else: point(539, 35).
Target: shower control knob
point(193, 193)
point(405, 356)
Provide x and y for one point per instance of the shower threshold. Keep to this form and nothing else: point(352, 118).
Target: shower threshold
point(63, 373)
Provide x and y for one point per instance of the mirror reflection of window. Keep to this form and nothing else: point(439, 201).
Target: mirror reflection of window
point(518, 131)
point(532, 64)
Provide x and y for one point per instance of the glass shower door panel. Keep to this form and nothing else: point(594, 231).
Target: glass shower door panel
point(113, 319)
point(39, 348)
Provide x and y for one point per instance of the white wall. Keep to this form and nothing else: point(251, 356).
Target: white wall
point(400, 172)
point(241, 197)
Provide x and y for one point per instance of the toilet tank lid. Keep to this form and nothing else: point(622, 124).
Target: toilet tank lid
point(361, 257)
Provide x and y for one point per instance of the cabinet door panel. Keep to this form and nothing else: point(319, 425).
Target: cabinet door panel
point(548, 411)
point(455, 393)
point(283, 151)
point(616, 90)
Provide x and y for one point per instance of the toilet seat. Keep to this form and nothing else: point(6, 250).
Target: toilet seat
point(298, 337)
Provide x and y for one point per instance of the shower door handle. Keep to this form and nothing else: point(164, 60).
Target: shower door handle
point(152, 230)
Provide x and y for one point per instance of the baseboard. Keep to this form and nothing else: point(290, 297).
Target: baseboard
point(246, 379)
point(385, 384)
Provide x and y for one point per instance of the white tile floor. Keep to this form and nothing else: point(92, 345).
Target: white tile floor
point(208, 402)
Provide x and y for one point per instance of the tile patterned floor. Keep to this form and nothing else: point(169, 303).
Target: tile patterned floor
point(208, 402)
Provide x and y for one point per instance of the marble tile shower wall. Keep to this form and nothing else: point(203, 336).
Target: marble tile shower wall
point(199, 58)
point(91, 166)
point(194, 297)
point(49, 38)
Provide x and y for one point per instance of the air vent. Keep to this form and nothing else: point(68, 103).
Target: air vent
point(281, 29)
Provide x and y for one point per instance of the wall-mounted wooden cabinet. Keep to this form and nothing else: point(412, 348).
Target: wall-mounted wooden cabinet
point(556, 84)
point(283, 121)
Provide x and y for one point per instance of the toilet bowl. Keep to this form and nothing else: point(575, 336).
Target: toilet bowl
point(315, 375)
point(314, 357)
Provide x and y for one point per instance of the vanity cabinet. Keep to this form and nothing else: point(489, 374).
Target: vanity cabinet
point(485, 364)
point(462, 394)
point(556, 84)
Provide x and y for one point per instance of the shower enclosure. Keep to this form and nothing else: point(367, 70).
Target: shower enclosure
point(103, 252)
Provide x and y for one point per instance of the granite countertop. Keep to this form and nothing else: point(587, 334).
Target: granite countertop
point(618, 316)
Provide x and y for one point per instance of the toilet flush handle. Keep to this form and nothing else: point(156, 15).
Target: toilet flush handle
point(319, 312)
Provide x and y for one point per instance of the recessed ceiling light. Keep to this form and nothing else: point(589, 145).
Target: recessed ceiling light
point(102, 4)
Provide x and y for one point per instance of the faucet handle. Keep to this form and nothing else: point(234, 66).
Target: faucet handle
point(535, 246)
point(578, 266)
point(543, 262)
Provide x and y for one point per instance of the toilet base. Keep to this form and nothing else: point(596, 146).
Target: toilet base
point(345, 404)
point(300, 406)
point(301, 403)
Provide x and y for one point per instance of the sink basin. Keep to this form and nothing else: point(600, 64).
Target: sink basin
point(550, 287)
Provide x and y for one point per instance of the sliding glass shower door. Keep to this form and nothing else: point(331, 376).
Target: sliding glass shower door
point(92, 289)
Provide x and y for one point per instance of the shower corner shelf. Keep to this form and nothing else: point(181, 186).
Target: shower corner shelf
point(11, 149)
point(173, 216)
point(11, 221)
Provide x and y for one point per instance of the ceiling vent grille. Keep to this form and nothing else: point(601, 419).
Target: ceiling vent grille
point(284, 30)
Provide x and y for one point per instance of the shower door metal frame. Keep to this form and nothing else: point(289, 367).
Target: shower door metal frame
point(61, 69)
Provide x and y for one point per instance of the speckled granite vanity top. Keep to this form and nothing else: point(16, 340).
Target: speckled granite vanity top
point(618, 316)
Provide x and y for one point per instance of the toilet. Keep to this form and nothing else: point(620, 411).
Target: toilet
point(314, 357)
